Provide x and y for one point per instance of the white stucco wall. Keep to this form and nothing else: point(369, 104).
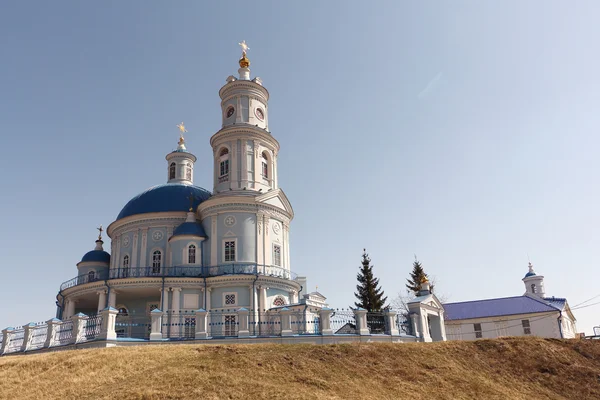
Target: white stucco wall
point(542, 324)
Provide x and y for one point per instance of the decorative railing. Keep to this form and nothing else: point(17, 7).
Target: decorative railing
point(39, 334)
point(64, 334)
point(16, 340)
point(200, 324)
point(181, 271)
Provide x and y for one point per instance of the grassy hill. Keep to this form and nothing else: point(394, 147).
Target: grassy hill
point(512, 368)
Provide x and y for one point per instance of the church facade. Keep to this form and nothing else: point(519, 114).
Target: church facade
point(179, 247)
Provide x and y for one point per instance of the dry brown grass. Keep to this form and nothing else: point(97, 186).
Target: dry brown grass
point(511, 368)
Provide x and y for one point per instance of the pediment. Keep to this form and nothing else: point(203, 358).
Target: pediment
point(277, 199)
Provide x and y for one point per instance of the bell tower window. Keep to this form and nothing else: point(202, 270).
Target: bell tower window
point(172, 168)
point(188, 171)
point(265, 166)
point(533, 289)
point(156, 261)
point(224, 165)
point(191, 254)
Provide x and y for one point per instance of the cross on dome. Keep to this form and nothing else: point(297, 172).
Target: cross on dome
point(100, 230)
point(244, 46)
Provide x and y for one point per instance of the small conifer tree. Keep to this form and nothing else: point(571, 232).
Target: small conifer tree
point(369, 294)
point(417, 277)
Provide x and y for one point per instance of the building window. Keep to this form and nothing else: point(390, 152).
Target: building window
point(279, 301)
point(224, 170)
point(277, 255)
point(265, 165)
point(230, 250)
point(125, 270)
point(229, 299)
point(191, 254)
point(526, 327)
point(156, 261)
point(533, 289)
point(123, 311)
point(188, 171)
point(91, 276)
point(224, 165)
point(230, 325)
point(478, 332)
point(172, 171)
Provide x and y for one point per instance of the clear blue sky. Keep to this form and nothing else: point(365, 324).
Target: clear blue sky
point(463, 132)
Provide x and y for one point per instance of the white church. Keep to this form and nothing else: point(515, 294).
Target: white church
point(187, 263)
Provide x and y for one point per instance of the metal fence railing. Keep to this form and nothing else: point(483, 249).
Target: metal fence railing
point(92, 327)
point(180, 325)
point(133, 327)
point(343, 322)
point(64, 333)
point(223, 323)
point(181, 271)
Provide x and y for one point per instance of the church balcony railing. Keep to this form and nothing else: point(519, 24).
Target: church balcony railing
point(182, 271)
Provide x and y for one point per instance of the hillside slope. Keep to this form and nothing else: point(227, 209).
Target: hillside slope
point(512, 368)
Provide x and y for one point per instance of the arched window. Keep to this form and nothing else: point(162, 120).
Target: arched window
point(533, 289)
point(279, 301)
point(125, 271)
point(123, 311)
point(172, 171)
point(156, 261)
point(265, 165)
point(91, 276)
point(191, 254)
point(188, 171)
point(223, 165)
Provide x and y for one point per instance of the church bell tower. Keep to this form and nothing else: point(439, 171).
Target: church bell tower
point(245, 153)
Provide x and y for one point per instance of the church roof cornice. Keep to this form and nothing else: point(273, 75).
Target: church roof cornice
point(243, 131)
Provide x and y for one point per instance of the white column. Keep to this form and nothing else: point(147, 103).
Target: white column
point(268, 247)
point(164, 299)
point(275, 175)
point(101, 300)
point(244, 161)
point(263, 298)
point(117, 254)
point(134, 251)
point(112, 298)
point(214, 243)
point(201, 325)
point(71, 308)
point(293, 298)
point(325, 321)
point(250, 298)
point(208, 292)
point(143, 250)
point(260, 240)
point(233, 159)
point(286, 246)
point(175, 316)
point(242, 316)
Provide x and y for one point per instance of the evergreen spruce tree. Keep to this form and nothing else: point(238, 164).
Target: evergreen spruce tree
point(369, 295)
point(417, 276)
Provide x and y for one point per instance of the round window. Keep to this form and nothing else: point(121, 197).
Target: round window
point(260, 114)
point(230, 112)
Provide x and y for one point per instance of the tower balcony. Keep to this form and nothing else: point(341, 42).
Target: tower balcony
point(188, 271)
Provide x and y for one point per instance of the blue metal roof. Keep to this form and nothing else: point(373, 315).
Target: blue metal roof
point(96, 256)
point(190, 228)
point(529, 274)
point(495, 307)
point(556, 302)
point(164, 198)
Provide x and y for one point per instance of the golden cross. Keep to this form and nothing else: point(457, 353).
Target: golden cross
point(244, 47)
point(100, 232)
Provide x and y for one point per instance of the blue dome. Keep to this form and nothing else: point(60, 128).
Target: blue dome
point(190, 228)
point(527, 275)
point(164, 198)
point(96, 256)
